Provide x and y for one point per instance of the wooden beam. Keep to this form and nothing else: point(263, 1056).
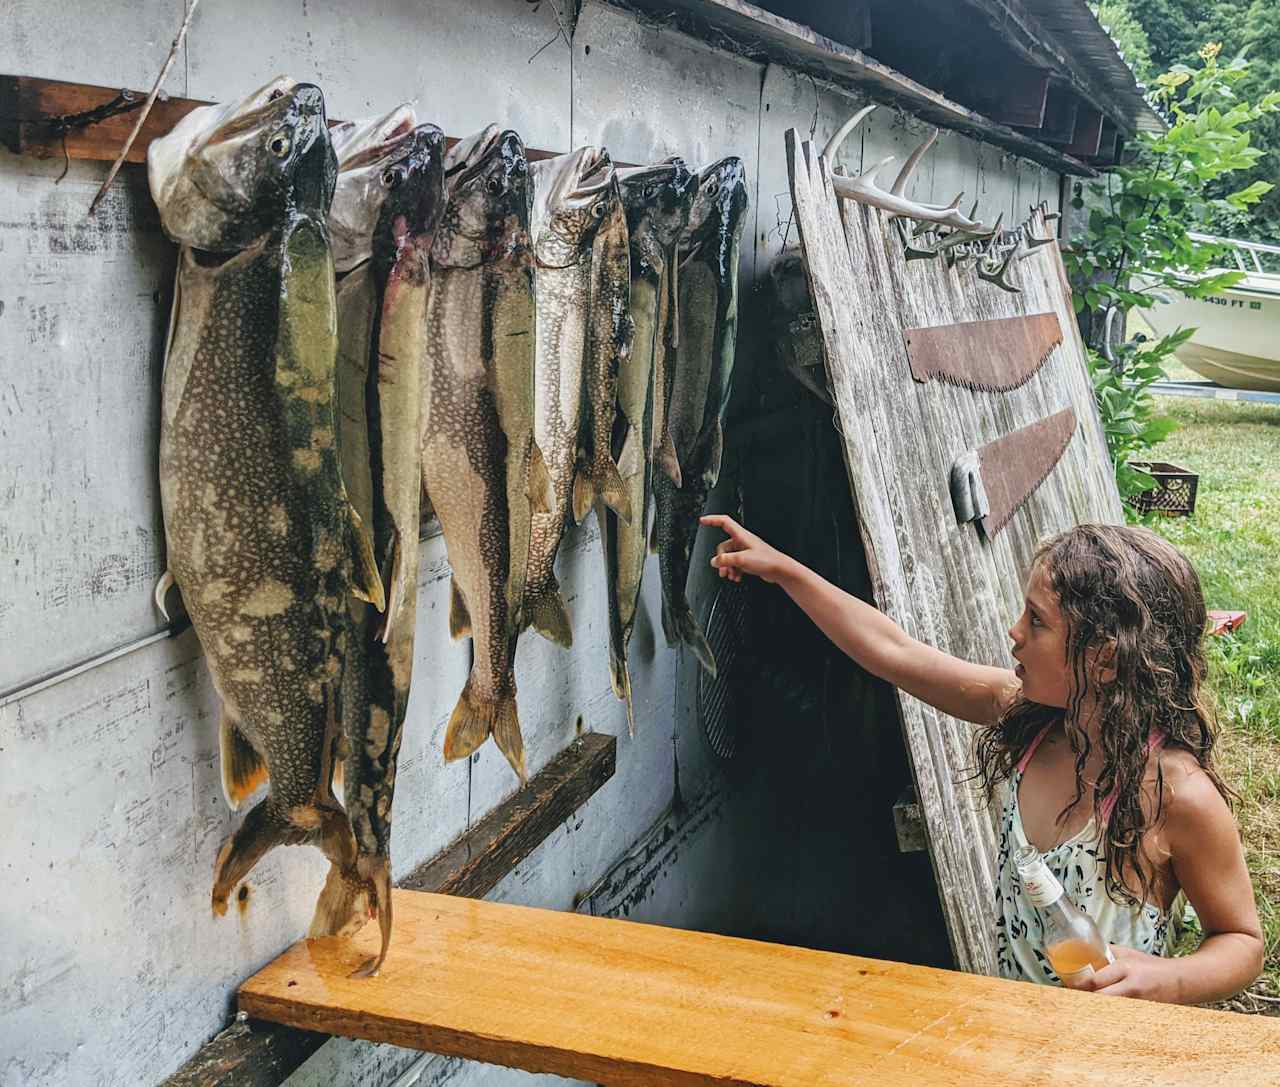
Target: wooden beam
point(47, 118)
point(1088, 135)
point(616, 1002)
point(1013, 94)
point(1061, 107)
point(258, 1054)
point(764, 35)
point(1108, 144)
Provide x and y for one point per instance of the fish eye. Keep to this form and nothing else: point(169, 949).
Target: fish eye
point(277, 93)
point(712, 189)
point(280, 144)
point(493, 185)
point(598, 210)
point(392, 176)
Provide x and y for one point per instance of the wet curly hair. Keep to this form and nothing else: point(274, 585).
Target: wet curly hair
point(1129, 591)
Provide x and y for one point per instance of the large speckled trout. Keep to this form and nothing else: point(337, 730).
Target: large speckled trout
point(572, 195)
point(261, 537)
point(657, 201)
point(476, 404)
point(610, 331)
point(701, 380)
point(381, 306)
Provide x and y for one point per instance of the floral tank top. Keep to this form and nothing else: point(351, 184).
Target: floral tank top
point(1080, 867)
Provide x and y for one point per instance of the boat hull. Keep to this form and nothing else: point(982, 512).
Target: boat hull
point(1237, 337)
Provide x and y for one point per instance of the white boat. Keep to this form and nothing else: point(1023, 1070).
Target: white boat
point(1237, 337)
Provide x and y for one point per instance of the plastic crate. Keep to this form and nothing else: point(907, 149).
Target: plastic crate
point(1174, 493)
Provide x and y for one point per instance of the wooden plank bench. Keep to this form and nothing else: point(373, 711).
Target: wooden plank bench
point(615, 1002)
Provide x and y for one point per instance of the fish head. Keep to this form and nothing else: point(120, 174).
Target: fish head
point(715, 219)
point(365, 151)
point(572, 195)
point(658, 200)
point(469, 150)
point(414, 202)
point(227, 175)
point(487, 214)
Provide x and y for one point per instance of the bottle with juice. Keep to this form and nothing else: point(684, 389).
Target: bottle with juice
point(1072, 943)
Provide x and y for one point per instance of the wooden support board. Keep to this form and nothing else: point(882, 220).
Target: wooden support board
point(620, 1003)
point(257, 1054)
point(43, 118)
point(936, 578)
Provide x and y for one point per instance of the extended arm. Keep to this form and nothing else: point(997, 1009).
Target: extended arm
point(972, 692)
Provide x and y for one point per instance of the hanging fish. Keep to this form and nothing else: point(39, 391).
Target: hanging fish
point(609, 334)
point(572, 195)
point(381, 305)
point(657, 202)
point(701, 380)
point(477, 396)
point(261, 537)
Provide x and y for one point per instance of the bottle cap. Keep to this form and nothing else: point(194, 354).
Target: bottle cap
point(1041, 885)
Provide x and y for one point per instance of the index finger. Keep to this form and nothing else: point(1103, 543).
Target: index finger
point(721, 521)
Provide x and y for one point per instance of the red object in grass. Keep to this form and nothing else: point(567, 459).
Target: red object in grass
point(1220, 622)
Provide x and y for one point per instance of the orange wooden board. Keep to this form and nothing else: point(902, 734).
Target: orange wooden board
point(615, 1002)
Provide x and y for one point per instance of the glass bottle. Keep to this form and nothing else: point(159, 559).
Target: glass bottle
point(1072, 943)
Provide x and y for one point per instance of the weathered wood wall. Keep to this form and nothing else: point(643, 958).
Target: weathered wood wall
point(112, 971)
point(939, 579)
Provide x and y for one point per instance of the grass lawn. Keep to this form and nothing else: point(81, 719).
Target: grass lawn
point(1234, 541)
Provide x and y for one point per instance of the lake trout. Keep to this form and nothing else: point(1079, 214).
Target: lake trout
point(382, 307)
point(478, 368)
point(571, 196)
point(701, 381)
point(609, 336)
point(261, 537)
point(657, 201)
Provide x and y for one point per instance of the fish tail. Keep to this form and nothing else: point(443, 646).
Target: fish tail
point(377, 873)
point(620, 677)
point(506, 734)
point(469, 725)
point(668, 460)
point(264, 828)
point(603, 481)
point(345, 904)
point(680, 627)
point(545, 611)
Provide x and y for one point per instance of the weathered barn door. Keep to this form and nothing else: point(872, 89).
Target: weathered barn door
point(948, 583)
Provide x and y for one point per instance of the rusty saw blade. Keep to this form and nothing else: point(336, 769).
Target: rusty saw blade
point(995, 355)
point(989, 484)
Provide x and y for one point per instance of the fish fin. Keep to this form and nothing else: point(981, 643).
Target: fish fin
point(163, 586)
point(620, 678)
point(459, 617)
point(545, 611)
point(377, 872)
point(396, 569)
point(344, 905)
point(366, 584)
point(262, 830)
point(506, 734)
point(587, 485)
point(242, 767)
point(680, 627)
point(668, 460)
point(338, 780)
point(541, 493)
point(425, 509)
point(469, 725)
point(653, 537)
point(631, 459)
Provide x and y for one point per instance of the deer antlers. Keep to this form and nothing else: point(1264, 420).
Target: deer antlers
point(865, 190)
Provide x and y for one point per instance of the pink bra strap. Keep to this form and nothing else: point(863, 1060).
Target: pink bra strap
point(1025, 761)
point(1108, 806)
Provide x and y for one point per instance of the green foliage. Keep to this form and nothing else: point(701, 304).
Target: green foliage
point(1139, 237)
point(1134, 44)
point(1127, 408)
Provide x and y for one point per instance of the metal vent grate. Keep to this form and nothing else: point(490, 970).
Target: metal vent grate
point(718, 698)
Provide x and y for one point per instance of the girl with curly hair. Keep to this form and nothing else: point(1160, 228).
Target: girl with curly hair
point(1104, 737)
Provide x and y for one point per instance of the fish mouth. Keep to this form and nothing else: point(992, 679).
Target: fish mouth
point(470, 150)
point(359, 145)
